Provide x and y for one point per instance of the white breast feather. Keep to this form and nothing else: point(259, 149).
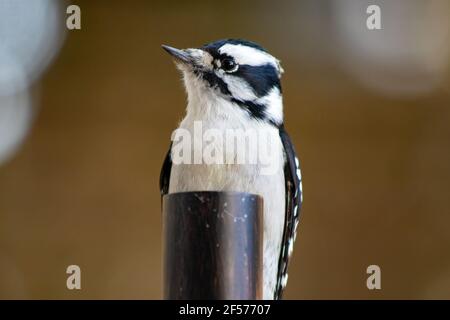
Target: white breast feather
point(219, 113)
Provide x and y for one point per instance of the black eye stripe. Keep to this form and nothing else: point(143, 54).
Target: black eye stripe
point(260, 78)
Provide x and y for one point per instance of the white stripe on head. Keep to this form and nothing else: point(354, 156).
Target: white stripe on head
point(274, 103)
point(248, 55)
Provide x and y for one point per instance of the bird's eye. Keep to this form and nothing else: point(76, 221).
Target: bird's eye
point(229, 65)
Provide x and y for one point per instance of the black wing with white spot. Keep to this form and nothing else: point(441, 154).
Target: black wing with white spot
point(294, 199)
point(164, 177)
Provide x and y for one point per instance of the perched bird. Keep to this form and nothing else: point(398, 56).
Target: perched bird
point(235, 84)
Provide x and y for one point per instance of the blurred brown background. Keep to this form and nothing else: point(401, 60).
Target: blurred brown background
point(369, 112)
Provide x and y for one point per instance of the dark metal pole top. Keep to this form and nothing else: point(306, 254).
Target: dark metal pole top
point(213, 245)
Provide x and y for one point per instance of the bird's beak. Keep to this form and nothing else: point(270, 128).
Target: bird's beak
point(179, 55)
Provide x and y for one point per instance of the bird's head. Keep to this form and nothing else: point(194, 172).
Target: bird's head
point(239, 71)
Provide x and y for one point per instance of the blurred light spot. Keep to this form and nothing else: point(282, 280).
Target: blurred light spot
point(409, 56)
point(31, 33)
point(15, 120)
point(12, 75)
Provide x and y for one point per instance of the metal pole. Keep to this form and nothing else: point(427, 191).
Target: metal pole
point(212, 245)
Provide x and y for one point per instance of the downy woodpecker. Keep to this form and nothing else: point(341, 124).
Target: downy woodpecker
point(235, 84)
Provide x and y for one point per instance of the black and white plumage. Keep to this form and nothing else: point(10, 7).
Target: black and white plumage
point(236, 84)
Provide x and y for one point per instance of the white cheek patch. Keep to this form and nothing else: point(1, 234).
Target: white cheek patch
point(247, 55)
point(238, 87)
point(241, 90)
point(274, 103)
